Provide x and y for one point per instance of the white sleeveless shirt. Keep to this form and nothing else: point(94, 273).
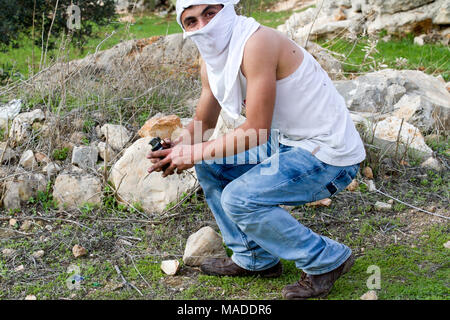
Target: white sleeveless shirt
point(311, 114)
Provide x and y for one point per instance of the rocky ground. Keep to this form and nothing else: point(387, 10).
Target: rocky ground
point(81, 219)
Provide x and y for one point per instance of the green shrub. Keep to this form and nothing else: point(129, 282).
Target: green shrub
point(60, 154)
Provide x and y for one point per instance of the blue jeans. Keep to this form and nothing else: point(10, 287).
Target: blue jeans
point(245, 203)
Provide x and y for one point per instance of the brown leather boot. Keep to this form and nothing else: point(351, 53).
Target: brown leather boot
point(316, 286)
point(226, 267)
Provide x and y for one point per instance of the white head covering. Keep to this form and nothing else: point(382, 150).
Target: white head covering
point(221, 43)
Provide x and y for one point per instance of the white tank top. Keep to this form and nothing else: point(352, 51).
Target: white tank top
point(311, 114)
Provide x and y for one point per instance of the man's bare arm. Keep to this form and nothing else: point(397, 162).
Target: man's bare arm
point(207, 111)
point(259, 66)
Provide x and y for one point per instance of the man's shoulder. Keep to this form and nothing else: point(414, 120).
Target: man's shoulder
point(263, 37)
point(261, 47)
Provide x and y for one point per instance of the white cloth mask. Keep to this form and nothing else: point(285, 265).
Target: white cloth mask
point(221, 44)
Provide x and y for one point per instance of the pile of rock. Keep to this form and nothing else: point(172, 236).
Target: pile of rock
point(329, 18)
point(80, 181)
point(396, 108)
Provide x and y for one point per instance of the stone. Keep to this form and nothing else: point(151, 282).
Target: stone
point(369, 295)
point(118, 136)
point(78, 251)
point(320, 203)
point(371, 93)
point(8, 112)
point(447, 244)
point(203, 244)
point(419, 41)
point(41, 158)
point(432, 163)
point(170, 267)
point(413, 20)
point(26, 225)
point(27, 160)
point(135, 6)
point(417, 110)
point(328, 62)
point(388, 131)
point(38, 254)
point(383, 206)
point(371, 185)
point(73, 189)
point(8, 253)
point(353, 186)
point(51, 169)
point(78, 137)
point(340, 15)
point(160, 126)
point(367, 172)
point(134, 184)
point(297, 20)
point(21, 126)
point(13, 223)
point(393, 6)
point(30, 297)
point(127, 19)
point(19, 268)
point(443, 14)
point(21, 187)
point(6, 153)
point(85, 156)
point(107, 154)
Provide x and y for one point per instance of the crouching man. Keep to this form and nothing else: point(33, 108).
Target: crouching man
point(297, 145)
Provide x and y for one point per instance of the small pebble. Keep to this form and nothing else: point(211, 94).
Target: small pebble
point(369, 295)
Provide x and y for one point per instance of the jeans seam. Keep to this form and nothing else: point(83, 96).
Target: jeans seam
point(336, 265)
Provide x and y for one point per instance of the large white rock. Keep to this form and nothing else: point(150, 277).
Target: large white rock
point(203, 244)
point(133, 183)
point(74, 188)
point(387, 131)
point(379, 92)
point(118, 135)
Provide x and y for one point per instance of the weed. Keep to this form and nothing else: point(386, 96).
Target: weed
point(60, 154)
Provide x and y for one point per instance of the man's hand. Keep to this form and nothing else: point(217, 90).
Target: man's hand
point(179, 157)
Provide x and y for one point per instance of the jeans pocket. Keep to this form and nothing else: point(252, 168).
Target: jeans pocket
point(339, 183)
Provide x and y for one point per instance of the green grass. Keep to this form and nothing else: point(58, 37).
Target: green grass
point(430, 58)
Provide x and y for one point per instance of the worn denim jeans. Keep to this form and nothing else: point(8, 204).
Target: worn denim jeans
point(245, 203)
